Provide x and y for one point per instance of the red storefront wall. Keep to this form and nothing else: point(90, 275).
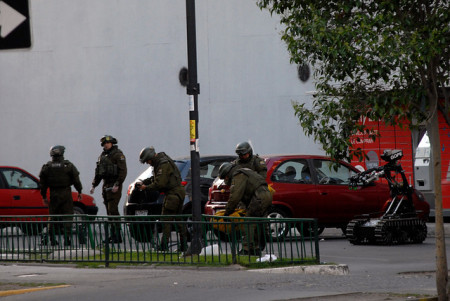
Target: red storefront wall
point(396, 137)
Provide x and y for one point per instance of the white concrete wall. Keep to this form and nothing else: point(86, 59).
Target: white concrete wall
point(111, 67)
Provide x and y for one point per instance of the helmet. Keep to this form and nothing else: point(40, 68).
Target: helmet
point(147, 154)
point(225, 169)
point(244, 148)
point(57, 150)
point(108, 138)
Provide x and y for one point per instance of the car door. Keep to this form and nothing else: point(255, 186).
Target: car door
point(336, 202)
point(294, 188)
point(23, 197)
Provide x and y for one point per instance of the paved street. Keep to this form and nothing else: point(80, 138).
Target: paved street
point(374, 271)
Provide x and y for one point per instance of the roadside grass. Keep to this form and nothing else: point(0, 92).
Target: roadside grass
point(167, 259)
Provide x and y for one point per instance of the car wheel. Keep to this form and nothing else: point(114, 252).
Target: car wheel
point(32, 228)
point(277, 230)
point(76, 220)
point(78, 226)
point(141, 232)
point(306, 230)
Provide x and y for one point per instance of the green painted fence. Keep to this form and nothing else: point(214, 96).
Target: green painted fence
point(82, 238)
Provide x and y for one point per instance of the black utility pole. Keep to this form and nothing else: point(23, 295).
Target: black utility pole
point(193, 89)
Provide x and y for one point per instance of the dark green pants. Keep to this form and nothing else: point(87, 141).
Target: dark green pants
point(256, 208)
point(61, 203)
point(173, 206)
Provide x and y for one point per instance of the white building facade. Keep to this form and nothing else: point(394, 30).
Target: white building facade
point(112, 67)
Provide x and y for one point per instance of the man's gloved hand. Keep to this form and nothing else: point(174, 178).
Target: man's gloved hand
point(92, 190)
point(227, 213)
point(115, 189)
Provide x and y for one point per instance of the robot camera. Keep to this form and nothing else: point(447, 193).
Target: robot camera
point(392, 156)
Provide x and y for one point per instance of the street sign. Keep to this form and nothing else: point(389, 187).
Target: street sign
point(14, 24)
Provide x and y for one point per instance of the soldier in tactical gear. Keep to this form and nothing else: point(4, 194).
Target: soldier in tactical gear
point(248, 188)
point(247, 160)
point(166, 179)
point(59, 175)
point(112, 169)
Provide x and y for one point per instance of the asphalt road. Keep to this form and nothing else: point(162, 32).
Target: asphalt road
point(375, 273)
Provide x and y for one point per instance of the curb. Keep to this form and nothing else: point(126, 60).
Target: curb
point(340, 269)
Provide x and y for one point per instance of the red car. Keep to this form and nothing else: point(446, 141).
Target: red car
point(306, 187)
point(20, 195)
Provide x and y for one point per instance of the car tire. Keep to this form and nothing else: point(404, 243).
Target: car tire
point(77, 211)
point(277, 230)
point(140, 232)
point(31, 228)
point(307, 232)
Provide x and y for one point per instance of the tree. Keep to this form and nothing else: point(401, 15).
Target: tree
point(385, 60)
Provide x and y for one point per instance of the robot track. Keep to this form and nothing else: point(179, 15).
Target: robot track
point(393, 231)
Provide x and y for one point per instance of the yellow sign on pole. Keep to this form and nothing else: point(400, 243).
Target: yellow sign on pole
point(192, 130)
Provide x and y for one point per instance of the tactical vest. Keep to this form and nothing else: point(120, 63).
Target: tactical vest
point(59, 174)
point(106, 169)
point(255, 180)
point(253, 163)
point(175, 179)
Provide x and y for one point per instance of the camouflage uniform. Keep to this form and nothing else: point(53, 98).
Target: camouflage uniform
point(59, 175)
point(254, 162)
point(112, 169)
point(249, 188)
point(167, 179)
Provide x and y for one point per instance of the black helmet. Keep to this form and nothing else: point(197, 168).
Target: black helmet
point(147, 154)
point(244, 148)
point(108, 138)
point(57, 150)
point(225, 169)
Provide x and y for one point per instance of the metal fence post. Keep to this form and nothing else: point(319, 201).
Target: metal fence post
point(233, 243)
point(106, 243)
point(316, 239)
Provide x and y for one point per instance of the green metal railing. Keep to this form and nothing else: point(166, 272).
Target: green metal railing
point(83, 238)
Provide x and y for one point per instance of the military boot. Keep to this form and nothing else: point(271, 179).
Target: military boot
point(163, 246)
point(183, 247)
point(116, 235)
point(45, 239)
